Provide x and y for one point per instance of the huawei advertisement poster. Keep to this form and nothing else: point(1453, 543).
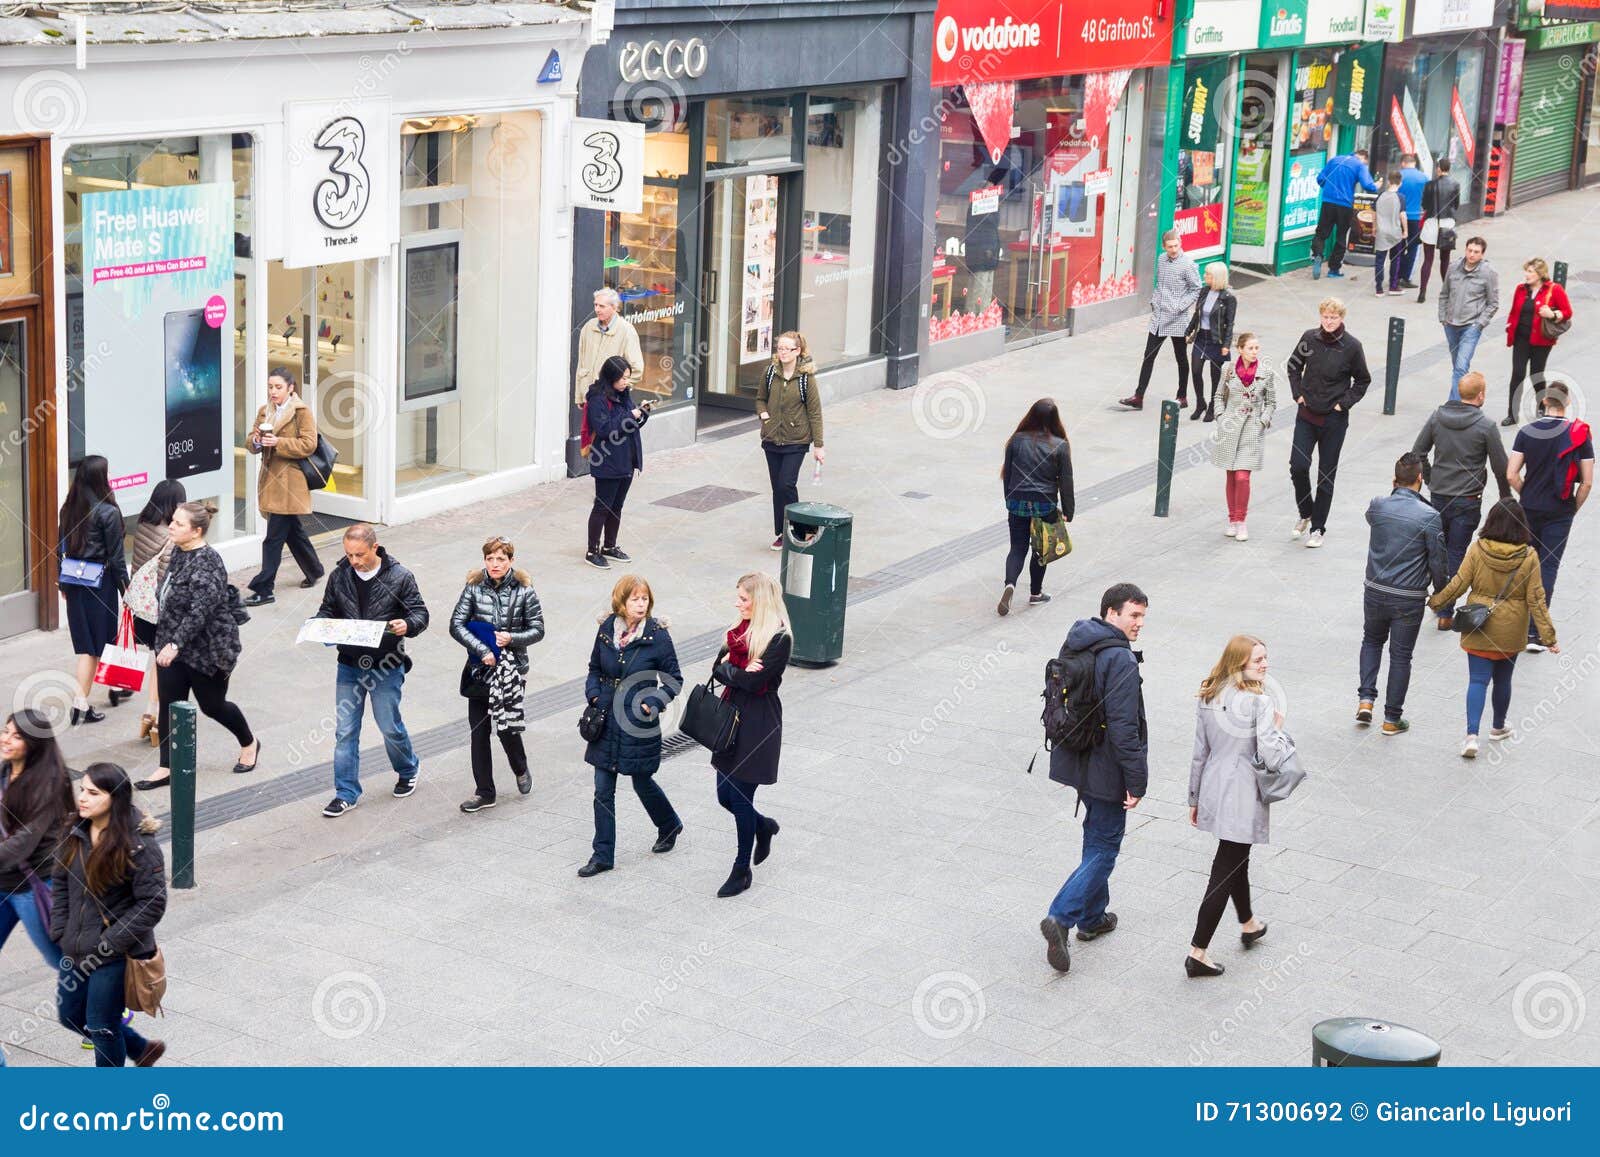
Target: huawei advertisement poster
point(158, 299)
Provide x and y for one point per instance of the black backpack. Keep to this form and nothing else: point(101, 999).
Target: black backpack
point(1074, 714)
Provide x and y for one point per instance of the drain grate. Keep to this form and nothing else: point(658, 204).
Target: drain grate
point(704, 498)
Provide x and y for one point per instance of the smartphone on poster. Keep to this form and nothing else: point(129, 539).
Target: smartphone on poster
point(193, 371)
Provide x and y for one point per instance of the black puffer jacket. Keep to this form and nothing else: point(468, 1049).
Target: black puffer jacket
point(103, 543)
point(93, 930)
point(391, 594)
point(509, 605)
point(196, 616)
point(643, 674)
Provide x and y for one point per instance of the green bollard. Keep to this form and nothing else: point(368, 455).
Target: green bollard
point(1560, 274)
point(1166, 452)
point(183, 719)
point(1391, 365)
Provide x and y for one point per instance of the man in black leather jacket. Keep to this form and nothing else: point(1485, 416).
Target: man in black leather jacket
point(369, 585)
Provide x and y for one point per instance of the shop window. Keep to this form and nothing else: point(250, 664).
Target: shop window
point(469, 294)
point(1439, 94)
point(1032, 225)
point(647, 262)
point(839, 228)
point(1203, 157)
point(186, 422)
point(749, 131)
point(1311, 136)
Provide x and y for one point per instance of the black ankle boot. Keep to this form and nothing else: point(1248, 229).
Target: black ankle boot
point(738, 880)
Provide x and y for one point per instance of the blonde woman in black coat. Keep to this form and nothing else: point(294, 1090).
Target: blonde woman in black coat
point(750, 666)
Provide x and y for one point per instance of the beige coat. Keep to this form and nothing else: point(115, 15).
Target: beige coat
point(620, 339)
point(282, 487)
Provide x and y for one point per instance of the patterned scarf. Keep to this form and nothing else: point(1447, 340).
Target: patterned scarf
point(507, 687)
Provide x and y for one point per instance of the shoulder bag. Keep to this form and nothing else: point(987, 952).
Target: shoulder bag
point(78, 572)
point(1274, 784)
point(1553, 327)
point(318, 468)
point(1471, 617)
point(709, 720)
point(592, 723)
point(144, 982)
point(1049, 538)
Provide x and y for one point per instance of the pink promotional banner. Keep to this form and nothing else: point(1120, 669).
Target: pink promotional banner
point(1508, 92)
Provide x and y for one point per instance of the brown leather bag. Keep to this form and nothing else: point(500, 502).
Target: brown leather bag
point(145, 983)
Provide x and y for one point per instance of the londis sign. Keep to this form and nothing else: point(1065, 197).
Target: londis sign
point(987, 40)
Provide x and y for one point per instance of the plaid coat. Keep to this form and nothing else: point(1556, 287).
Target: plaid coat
point(1243, 415)
point(1178, 287)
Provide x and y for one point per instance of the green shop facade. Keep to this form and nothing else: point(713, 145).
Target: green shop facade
point(1261, 96)
point(1552, 106)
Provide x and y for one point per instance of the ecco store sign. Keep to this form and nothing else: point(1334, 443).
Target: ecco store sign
point(655, 60)
point(978, 41)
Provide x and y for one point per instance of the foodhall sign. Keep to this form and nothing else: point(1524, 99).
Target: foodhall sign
point(976, 41)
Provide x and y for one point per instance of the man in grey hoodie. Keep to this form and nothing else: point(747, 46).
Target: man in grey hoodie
point(1468, 301)
point(1460, 447)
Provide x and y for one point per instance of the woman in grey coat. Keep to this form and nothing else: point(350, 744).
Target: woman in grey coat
point(1246, 400)
point(1235, 724)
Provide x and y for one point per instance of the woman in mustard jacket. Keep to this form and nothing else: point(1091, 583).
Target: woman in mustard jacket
point(284, 432)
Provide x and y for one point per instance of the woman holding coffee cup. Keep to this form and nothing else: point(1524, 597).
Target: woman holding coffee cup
point(283, 433)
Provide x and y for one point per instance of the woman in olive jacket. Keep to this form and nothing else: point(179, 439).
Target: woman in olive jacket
point(1501, 570)
point(499, 604)
point(90, 530)
point(283, 434)
point(790, 408)
point(751, 665)
point(109, 894)
point(633, 671)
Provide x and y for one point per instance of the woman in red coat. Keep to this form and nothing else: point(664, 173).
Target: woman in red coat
point(1536, 298)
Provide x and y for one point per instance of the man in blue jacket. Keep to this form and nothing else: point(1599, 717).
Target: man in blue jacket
point(1412, 180)
point(1110, 777)
point(1339, 178)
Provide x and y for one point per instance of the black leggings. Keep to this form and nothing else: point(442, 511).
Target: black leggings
point(783, 471)
point(173, 685)
point(1021, 543)
point(605, 517)
point(1427, 265)
point(482, 727)
point(1199, 359)
point(1230, 877)
point(1152, 346)
point(1526, 356)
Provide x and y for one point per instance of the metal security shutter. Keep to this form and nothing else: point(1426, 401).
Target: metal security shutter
point(1547, 123)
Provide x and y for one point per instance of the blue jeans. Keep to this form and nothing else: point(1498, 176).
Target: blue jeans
point(355, 687)
point(1460, 514)
point(1463, 343)
point(92, 1005)
point(650, 794)
point(1396, 621)
point(1413, 243)
point(19, 908)
point(1480, 672)
point(1082, 901)
point(1550, 530)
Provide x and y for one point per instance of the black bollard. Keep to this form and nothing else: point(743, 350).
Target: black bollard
point(1391, 367)
point(1166, 452)
point(1560, 274)
point(183, 757)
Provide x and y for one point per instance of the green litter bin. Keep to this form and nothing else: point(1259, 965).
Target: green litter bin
point(816, 579)
point(1361, 1042)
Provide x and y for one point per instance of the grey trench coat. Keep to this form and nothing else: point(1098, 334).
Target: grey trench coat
point(1228, 733)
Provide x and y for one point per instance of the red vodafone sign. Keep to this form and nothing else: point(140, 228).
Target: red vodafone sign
point(975, 41)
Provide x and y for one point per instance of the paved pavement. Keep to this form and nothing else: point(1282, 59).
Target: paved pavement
point(896, 922)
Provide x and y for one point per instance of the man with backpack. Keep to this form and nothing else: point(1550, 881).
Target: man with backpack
point(1552, 470)
point(1094, 719)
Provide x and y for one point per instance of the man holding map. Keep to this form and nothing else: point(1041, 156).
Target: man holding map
point(377, 603)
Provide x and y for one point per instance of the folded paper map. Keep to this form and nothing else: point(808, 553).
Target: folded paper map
point(349, 632)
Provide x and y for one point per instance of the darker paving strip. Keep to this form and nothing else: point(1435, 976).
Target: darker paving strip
point(566, 697)
point(704, 498)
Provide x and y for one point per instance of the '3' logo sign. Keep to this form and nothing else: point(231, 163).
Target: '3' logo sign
point(603, 174)
point(341, 199)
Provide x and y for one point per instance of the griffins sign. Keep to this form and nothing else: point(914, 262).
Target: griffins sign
point(607, 169)
point(340, 175)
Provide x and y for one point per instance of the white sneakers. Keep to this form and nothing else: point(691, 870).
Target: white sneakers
point(1315, 540)
point(1241, 534)
point(1232, 531)
point(1301, 527)
point(1500, 733)
point(1469, 749)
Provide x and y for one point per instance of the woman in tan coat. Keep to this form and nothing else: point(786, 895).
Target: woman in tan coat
point(1502, 571)
point(283, 433)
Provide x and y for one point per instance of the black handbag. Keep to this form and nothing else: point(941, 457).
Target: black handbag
point(592, 723)
point(318, 468)
point(1471, 617)
point(709, 720)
